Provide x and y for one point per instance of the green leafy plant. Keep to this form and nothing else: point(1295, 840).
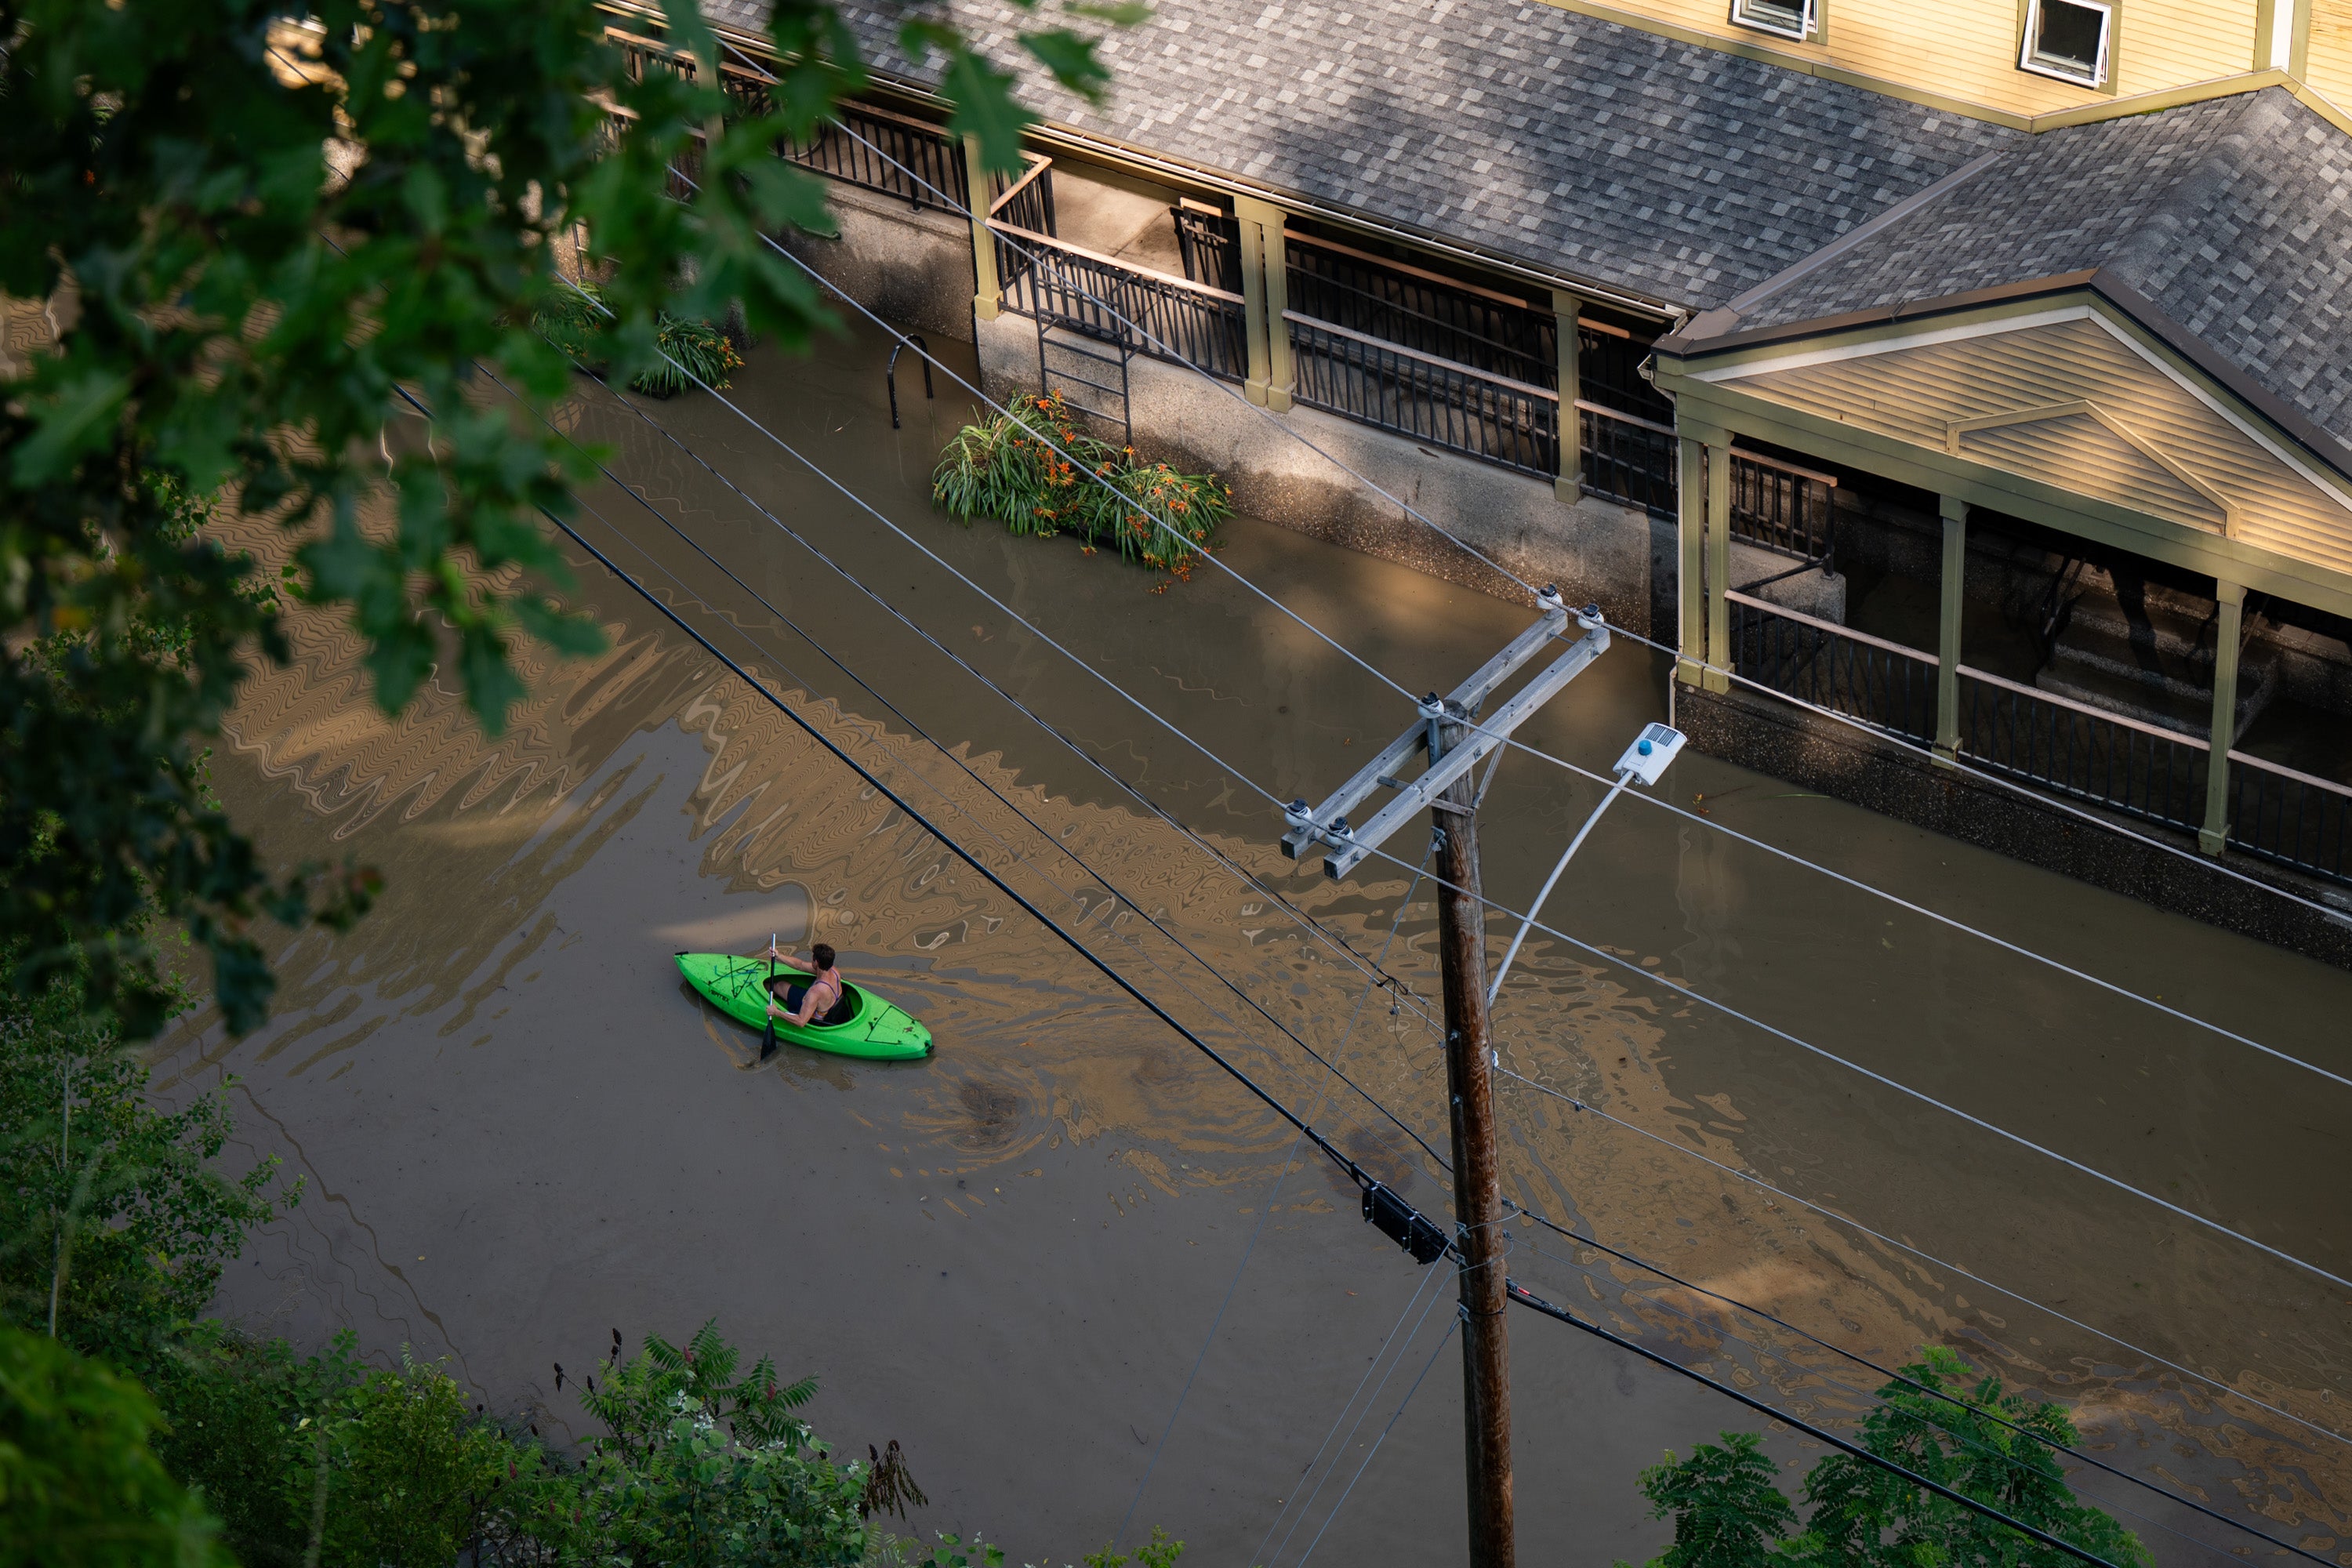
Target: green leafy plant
point(255, 226)
point(1945, 1424)
point(114, 1223)
point(692, 353)
point(80, 1488)
point(1161, 1552)
point(1023, 467)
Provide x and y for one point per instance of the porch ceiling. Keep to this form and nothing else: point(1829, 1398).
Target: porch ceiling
point(2063, 403)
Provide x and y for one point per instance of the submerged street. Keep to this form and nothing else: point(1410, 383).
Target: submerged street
point(522, 1132)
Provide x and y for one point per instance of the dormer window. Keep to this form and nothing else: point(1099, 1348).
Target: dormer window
point(2068, 40)
point(1788, 18)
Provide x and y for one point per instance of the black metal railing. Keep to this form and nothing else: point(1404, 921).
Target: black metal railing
point(921, 164)
point(1445, 405)
point(2292, 818)
point(1885, 685)
point(1786, 509)
point(1455, 324)
point(2107, 758)
point(1607, 372)
point(1158, 317)
point(1211, 245)
point(1630, 460)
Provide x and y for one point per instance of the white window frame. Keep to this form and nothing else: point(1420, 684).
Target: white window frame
point(1741, 15)
point(2027, 61)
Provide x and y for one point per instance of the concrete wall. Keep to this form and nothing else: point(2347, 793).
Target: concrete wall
point(1596, 551)
point(913, 267)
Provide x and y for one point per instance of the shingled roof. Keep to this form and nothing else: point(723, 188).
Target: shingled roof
point(1680, 174)
point(2233, 218)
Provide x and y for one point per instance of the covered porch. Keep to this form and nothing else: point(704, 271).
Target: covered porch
point(2066, 547)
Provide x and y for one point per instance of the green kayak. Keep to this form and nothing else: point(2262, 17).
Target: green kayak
point(878, 1030)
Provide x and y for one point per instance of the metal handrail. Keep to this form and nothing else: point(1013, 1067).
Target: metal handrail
point(1737, 597)
point(1038, 165)
point(2186, 737)
point(1031, 237)
point(1745, 456)
point(2284, 771)
point(1618, 414)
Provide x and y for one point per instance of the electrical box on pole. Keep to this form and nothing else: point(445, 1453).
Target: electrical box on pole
point(1455, 738)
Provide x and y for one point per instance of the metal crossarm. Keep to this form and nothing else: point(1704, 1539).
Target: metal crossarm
point(1349, 850)
point(1306, 827)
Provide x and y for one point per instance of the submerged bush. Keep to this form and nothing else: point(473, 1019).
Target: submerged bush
point(1021, 468)
point(576, 324)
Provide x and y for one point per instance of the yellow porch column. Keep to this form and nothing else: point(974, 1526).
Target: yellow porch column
point(2228, 631)
point(1947, 628)
point(985, 288)
point(1570, 486)
point(1690, 535)
point(1266, 295)
point(1719, 562)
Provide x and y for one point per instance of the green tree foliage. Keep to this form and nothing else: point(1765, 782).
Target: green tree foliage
point(1727, 1507)
point(79, 1484)
point(1945, 1424)
point(114, 1223)
point(255, 221)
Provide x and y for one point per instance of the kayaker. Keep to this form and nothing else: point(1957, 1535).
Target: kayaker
point(822, 997)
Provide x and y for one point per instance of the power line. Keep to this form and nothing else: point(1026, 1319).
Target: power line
point(1304, 1128)
point(1451, 1323)
point(1880, 1236)
point(1395, 922)
point(1606, 959)
point(1529, 1299)
point(1170, 354)
point(1112, 975)
point(1513, 742)
point(1375, 969)
point(918, 732)
point(1256, 1231)
point(1985, 1412)
point(1369, 1401)
point(1307, 923)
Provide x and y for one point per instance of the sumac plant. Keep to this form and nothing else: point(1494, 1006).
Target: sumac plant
point(1035, 469)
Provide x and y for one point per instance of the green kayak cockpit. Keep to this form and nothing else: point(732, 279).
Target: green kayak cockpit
point(875, 1028)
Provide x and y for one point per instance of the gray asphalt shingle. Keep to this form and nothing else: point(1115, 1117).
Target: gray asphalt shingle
point(2233, 216)
point(1678, 173)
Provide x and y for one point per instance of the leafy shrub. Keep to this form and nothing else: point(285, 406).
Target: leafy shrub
point(575, 323)
point(79, 1484)
point(1966, 1435)
point(1008, 468)
point(113, 1224)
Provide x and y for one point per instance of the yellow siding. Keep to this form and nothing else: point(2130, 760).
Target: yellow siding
point(2171, 43)
point(1913, 393)
point(1967, 49)
point(2329, 67)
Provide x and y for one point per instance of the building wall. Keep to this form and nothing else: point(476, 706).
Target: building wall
point(2329, 64)
point(1967, 49)
point(912, 267)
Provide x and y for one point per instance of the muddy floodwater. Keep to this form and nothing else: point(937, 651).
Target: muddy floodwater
point(521, 1133)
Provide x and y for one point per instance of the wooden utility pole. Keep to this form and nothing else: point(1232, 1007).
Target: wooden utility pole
point(1478, 1179)
point(1456, 737)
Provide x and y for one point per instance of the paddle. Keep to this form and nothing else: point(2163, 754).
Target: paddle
point(767, 1047)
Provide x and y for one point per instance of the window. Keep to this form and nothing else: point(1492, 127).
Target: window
point(2068, 40)
point(1789, 18)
